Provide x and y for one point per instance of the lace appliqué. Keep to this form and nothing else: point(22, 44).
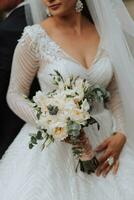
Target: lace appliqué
point(48, 48)
point(41, 44)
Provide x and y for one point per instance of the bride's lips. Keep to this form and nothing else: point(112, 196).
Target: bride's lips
point(55, 6)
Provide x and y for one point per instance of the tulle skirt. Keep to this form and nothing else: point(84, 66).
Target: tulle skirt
point(50, 174)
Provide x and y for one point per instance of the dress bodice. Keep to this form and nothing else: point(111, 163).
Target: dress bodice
point(53, 57)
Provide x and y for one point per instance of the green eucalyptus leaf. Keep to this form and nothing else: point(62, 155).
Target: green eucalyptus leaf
point(39, 135)
point(33, 140)
point(53, 110)
point(31, 146)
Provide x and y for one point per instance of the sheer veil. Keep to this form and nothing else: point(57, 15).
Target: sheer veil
point(37, 11)
point(116, 28)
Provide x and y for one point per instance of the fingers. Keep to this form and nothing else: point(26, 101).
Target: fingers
point(103, 162)
point(116, 167)
point(102, 168)
point(102, 146)
point(108, 168)
point(105, 168)
point(106, 171)
point(105, 156)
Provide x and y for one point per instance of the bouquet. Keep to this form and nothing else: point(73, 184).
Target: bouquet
point(64, 112)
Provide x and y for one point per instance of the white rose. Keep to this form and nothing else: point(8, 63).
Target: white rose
point(79, 116)
point(59, 100)
point(58, 130)
point(38, 97)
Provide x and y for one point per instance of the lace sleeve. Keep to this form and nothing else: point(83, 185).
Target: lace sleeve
point(115, 105)
point(24, 68)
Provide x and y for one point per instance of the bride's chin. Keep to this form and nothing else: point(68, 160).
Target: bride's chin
point(60, 13)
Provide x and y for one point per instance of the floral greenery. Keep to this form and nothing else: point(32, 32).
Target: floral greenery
point(63, 112)
point(88, 166)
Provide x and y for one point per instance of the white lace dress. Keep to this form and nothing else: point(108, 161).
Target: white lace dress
point(50, 175)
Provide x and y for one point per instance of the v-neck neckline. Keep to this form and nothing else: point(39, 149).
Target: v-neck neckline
point(69, 55)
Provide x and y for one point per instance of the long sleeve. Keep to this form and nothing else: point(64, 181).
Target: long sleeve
point(115, 105)
point(24, 68)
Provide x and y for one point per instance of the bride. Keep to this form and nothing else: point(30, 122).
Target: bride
point(92, 39)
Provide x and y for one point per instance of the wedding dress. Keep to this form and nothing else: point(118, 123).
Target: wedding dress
point(50, 174)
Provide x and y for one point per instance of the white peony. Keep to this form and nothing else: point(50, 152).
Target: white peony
point(78, 115)
point(58, 130)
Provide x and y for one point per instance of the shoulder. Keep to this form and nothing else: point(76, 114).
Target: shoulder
point(31, 40)
point(31, 35)
point(32, 31)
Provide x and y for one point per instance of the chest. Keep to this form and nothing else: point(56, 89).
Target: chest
point(100, 72)
point(53, 57)
point(84, 51)
point(81, 48)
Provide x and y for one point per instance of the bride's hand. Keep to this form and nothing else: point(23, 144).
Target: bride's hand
point(111, 147)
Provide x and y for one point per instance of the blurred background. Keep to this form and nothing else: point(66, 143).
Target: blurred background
point(1, 15)
point(7, 5)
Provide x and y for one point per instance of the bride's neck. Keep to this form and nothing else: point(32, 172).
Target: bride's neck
point(75, 22)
